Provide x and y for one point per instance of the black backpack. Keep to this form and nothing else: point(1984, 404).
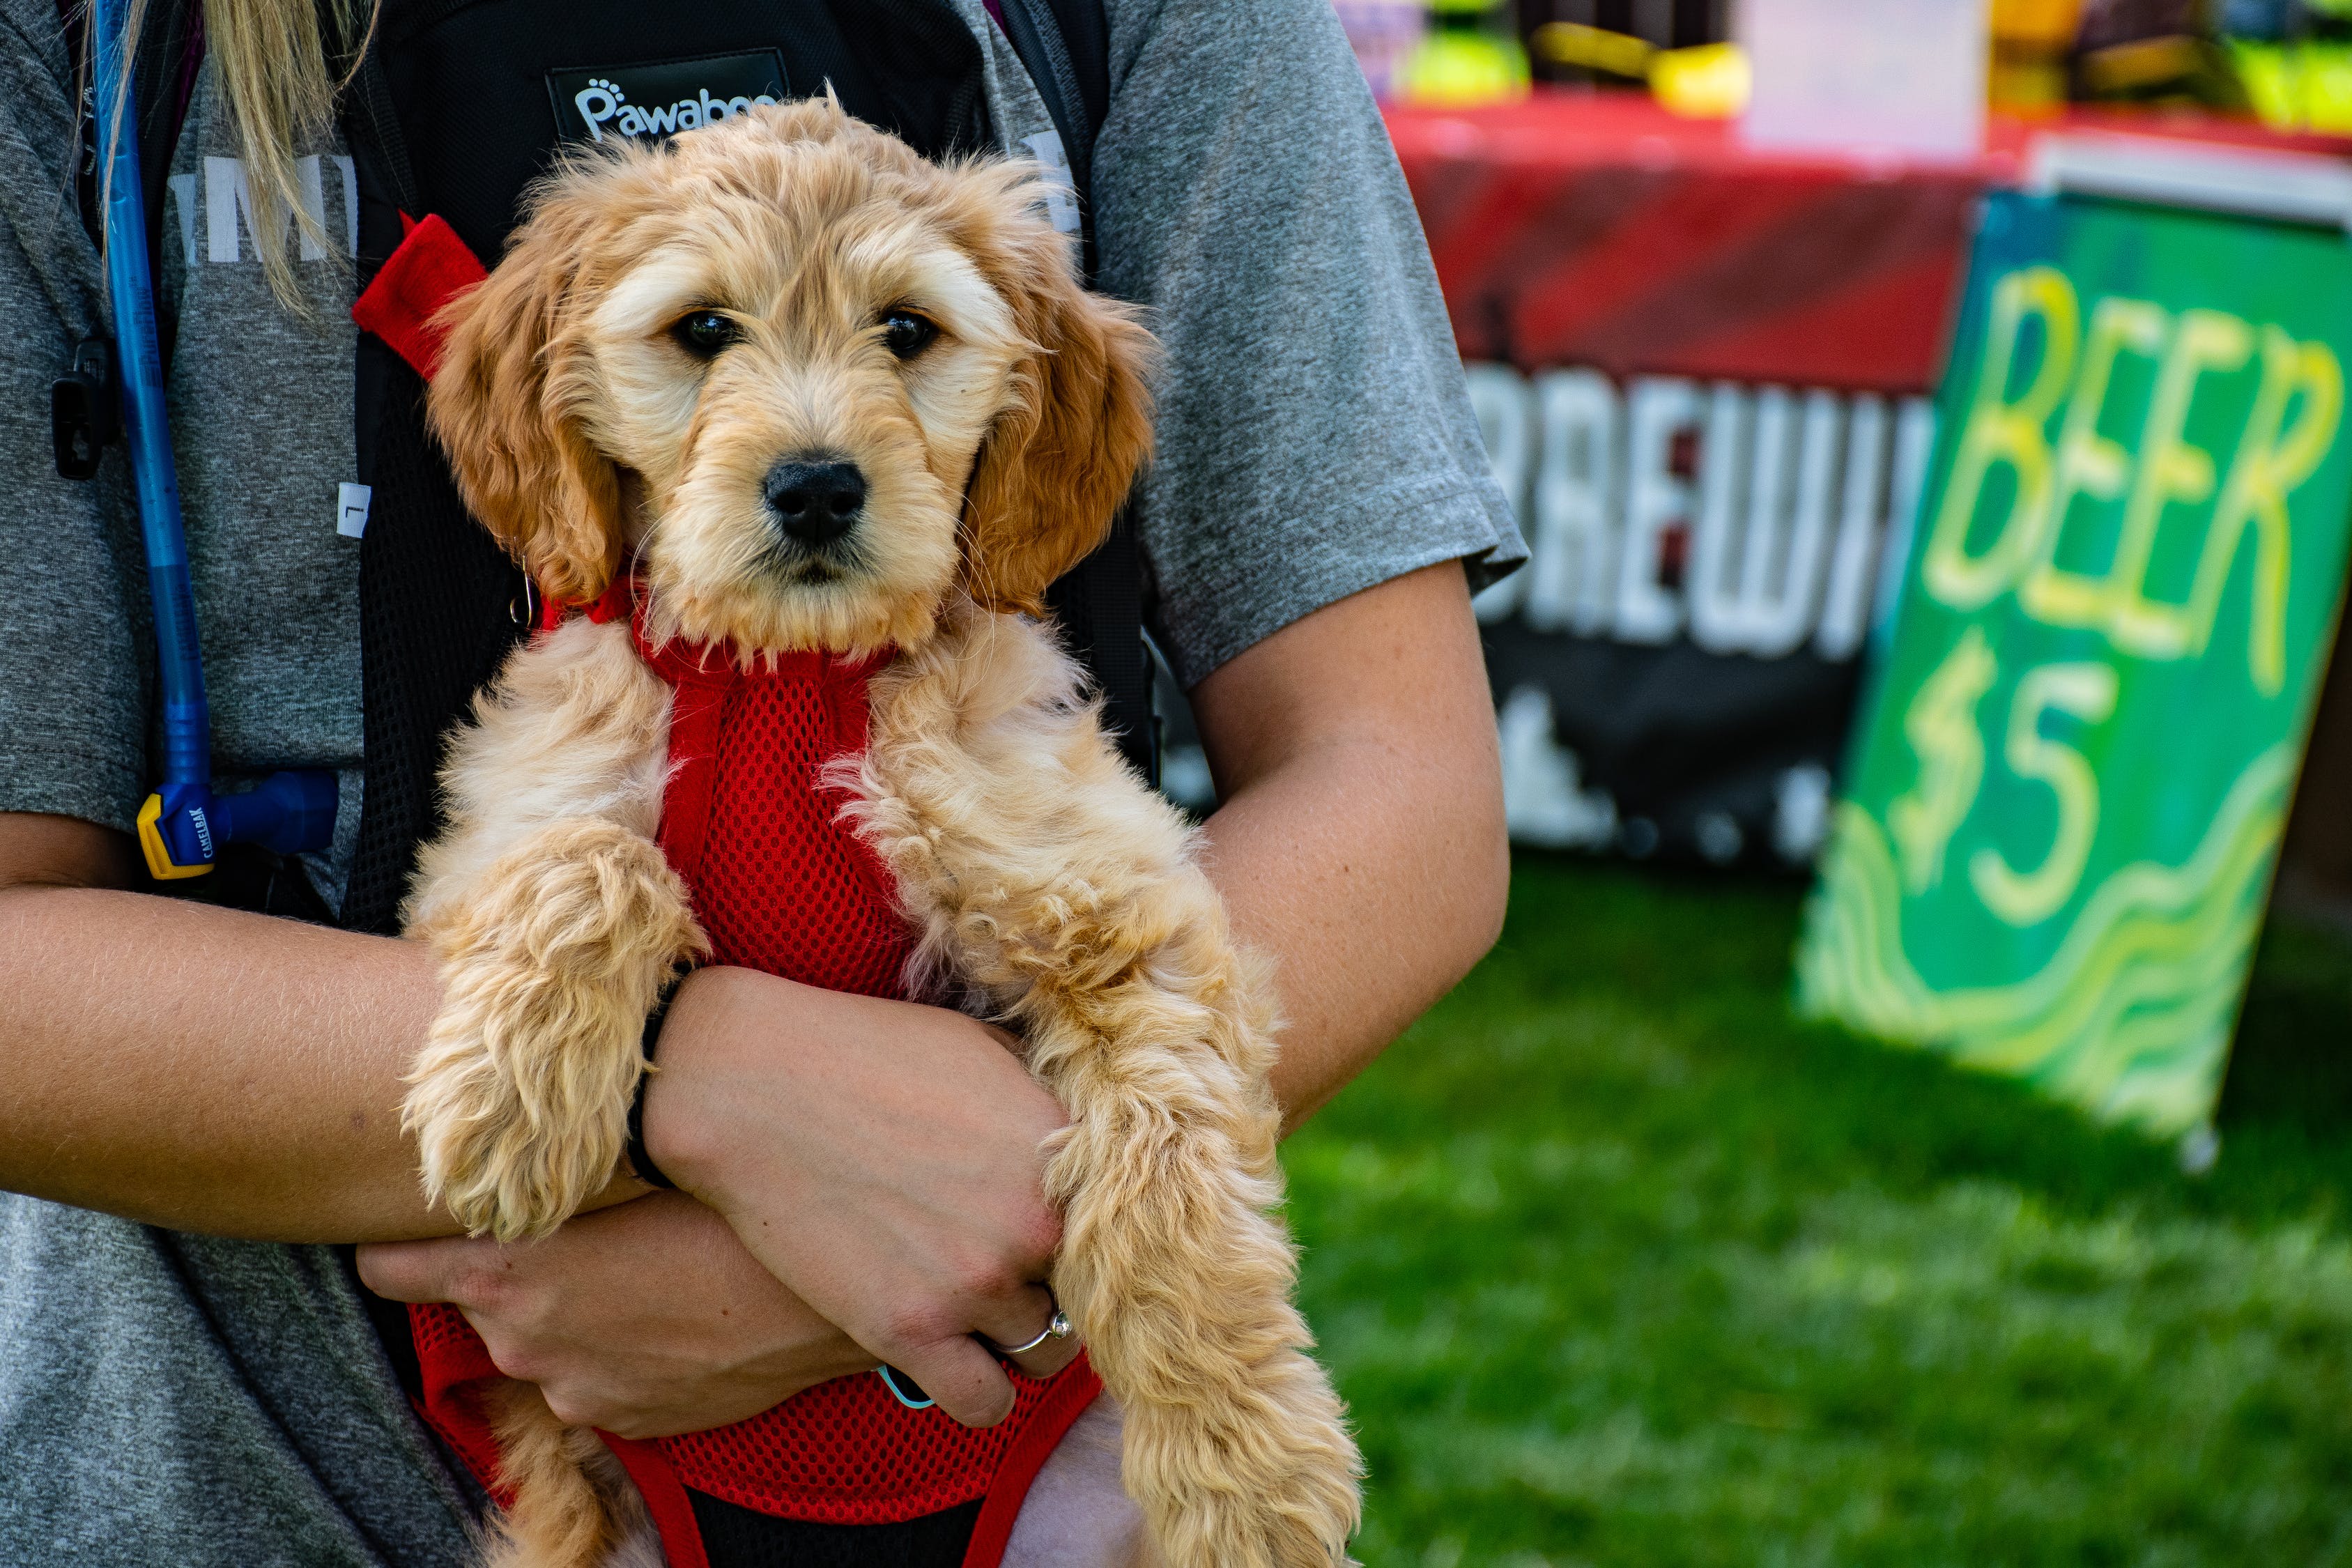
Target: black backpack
point(455, 106)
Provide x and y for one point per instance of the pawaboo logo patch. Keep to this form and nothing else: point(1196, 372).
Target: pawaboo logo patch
point(661, 98)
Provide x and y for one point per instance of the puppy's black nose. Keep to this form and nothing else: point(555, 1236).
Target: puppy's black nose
point(816, 502)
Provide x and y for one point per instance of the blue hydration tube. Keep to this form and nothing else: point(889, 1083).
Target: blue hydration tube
point(183, 826)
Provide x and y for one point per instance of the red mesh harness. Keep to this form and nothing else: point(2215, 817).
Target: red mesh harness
point(779, 885)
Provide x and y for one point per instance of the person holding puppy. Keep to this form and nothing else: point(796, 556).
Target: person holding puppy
point(200, 1099)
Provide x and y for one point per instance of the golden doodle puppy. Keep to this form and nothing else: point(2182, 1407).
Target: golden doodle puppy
point(674, 343)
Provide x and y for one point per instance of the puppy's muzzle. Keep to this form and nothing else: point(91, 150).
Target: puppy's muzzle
point(815, 504)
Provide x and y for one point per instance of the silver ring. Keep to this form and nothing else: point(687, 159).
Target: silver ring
point(1057, 1327)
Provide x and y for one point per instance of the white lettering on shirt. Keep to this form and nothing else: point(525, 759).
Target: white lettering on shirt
point(232, 231)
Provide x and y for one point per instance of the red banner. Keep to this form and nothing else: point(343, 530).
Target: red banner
point(1708, 514)
point(1597, 230)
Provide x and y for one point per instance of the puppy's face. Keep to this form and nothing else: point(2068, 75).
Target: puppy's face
point(815, 381)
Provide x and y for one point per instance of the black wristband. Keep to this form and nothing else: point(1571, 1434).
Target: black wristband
point(641, 1165)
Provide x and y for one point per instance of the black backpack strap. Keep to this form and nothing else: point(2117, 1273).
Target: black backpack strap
point(163, 81)
point(1099, 603)
point(1066, 46)
point(373, 128)
point(441, 604)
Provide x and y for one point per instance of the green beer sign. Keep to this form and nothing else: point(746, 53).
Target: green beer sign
point(2086, 722)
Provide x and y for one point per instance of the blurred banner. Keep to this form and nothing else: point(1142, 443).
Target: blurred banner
point(2086, 719)
point(1701, 372)
point(1703, 562)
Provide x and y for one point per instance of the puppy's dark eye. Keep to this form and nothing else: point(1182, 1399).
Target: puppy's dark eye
point(703, 333)
point(907, 333)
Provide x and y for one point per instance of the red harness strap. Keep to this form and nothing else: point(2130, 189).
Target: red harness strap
point(430, 268)
point(779, 885)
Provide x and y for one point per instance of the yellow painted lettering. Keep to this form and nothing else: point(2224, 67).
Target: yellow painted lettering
point(2172, 472)
point(2089, 464)
point(1942, 725)
point(2270, 461)
point(2086, 691)
point(2005, 433)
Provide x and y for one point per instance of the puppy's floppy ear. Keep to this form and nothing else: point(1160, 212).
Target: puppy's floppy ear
point(1055, 467)
point(507, 404)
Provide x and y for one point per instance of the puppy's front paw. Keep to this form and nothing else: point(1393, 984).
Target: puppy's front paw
point(520, 1100)
point(1267, 1481)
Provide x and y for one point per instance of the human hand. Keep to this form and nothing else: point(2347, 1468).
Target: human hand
point(884, 1160)
point(645, 1318)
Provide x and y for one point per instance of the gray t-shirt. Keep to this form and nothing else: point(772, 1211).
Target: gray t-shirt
point(184, 1400)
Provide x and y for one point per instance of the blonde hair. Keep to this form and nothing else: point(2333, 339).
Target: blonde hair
point(272, 62)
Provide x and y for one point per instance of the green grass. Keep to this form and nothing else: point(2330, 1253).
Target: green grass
point(1618, 1264)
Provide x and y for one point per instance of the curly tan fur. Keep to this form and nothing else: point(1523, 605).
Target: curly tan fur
point(556, 920)
point(1040, 872)
point(1044, 882)
point(574, 1503)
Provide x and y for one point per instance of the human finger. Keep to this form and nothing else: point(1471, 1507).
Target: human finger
point(960, 1375)
point(418, 1271)
point(1048, 1359)
point(1046, 1344)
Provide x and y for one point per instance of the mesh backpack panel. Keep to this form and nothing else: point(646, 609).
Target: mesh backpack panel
point(779, 885)
point(440, 608)
point(846, 1452)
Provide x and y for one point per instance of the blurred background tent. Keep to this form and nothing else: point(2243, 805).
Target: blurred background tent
point(1593, 207)
point(1620, 1261)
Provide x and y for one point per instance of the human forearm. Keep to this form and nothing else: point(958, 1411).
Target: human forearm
point(206, 1069)
point(201, 1068)
point(1361, 843)
point(882, 1157)
point(643, 1319)
point(1369, 904)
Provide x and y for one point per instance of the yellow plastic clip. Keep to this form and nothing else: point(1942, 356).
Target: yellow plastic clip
point(150, 843)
